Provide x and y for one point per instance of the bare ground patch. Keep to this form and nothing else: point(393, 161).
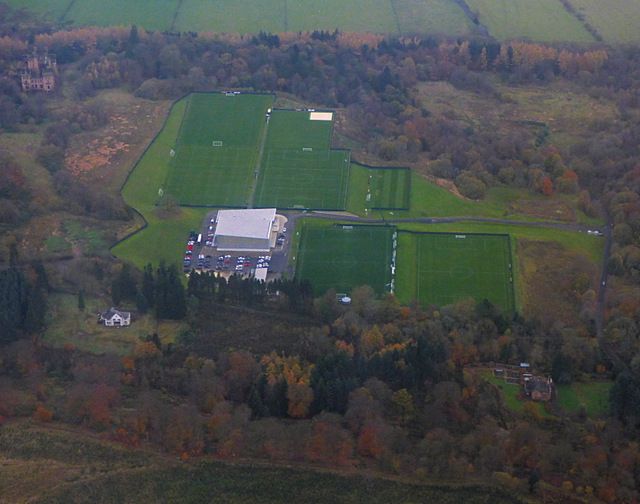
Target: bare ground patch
point(107, 153)
point(547, 209)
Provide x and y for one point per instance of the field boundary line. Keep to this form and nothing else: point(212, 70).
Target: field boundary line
point(286, 16)
point(395, 16)
point(570, 8)
point(175, 15)
point(66, 11)
point(473, 17)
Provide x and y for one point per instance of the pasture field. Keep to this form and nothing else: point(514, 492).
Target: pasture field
point(298, 168)
point(231, 16)
point(542, 20)
point(153, 15)
point(295, 179)
point(51, 9)
point(615, 20)
point(342, 257)
point(442, 268)
point(398, 17)
point(431, 16)
point(204, 175)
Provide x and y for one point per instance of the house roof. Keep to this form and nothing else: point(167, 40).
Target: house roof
point(111, 312)
point(249, 223)
point(537, 384)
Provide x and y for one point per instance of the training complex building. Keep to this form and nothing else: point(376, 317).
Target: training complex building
point(250, 230)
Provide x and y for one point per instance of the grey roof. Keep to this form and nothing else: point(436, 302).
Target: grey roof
point(108, 315)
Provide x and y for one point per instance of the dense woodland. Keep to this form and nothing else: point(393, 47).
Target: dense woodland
point(375, 385)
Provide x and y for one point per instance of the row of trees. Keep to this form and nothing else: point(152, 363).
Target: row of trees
point(160, 290)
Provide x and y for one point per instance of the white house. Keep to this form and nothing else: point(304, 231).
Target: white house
point(115, 318)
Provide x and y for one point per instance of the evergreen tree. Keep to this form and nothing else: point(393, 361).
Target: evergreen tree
point(36, 310)
point(81, 305)
point(13, 304)
point(141, 302)
point(123, 286)
point(148, 285)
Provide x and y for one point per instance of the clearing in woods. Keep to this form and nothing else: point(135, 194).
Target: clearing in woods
point(442, 268)
point(342, 257)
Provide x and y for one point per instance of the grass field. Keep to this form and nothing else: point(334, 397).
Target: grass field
point(295, 179)
point(156, 15)
point(298, 168)
point(344, 257)
point(202, 174)
point(68, 325)
point(390, 189)
point(541, 20)
point(372, 189)
point(442, 268)
point(163, 238)
point(292, 129)
point(615, 20)
point(593, 397)
point(251, 16)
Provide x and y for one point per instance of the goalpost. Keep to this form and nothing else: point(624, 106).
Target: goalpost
point(216, 143)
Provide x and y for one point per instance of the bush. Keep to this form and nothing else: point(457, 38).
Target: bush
point(471, 186)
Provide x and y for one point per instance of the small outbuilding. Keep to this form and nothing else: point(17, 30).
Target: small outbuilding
point(115, 318)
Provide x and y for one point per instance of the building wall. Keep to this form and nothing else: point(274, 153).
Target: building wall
point(240, 243)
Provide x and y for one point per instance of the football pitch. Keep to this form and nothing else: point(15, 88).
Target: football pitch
point(342, 257)
point(390, 188)
point(442, 268)
point(299, 169)
point(217, 149)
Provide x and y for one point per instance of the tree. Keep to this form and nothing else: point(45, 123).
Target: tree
point(123, 286)
point(81, 305)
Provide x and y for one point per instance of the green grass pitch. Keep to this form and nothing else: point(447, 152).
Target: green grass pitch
point(292, 129)
point(204, 175)
point(296, 179)
point(442, 268)
point(390, 188)
point(343, 257)
point(298, 168)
